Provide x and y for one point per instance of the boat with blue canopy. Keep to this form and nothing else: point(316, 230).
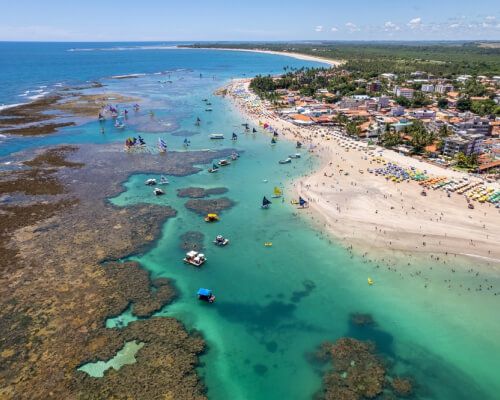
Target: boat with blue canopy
point(205, 295)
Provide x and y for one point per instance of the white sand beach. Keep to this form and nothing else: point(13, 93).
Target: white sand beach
point(369, 212)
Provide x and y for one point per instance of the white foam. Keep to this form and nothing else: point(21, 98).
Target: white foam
point(127, 76)
point(5, 106)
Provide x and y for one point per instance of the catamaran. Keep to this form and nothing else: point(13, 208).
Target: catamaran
point(265, 202)
point(277, 192)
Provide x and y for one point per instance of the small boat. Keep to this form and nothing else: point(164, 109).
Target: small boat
point(287, 160)
point(212, 218)
point(221, 241)
point(205, 100)
point(294, 202)
point(195, 258)
point(208, 103)
point(223, 162)
point(158, 192)
point(303, 203)
point(216, 136)
point(205, 295)
point(471, 206)
point(208, 109)
point(268, 244)
point(265, 202)
point(273, 141)
point(299, 145)
point(198, 121)
point(423, 193)
point(234, 137)
point(370, 281)
point(275, 134)
point(215, 168)
point(164, 180)
point(186, 142)
point(254, 130)
point(162, 146)
point(296, 155)
point(119, 125)
point(277, 192)
point(150, 182)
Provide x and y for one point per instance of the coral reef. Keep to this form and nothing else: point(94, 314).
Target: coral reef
point(358, 373)
point(61, 279)
point(198, 193)
point(205, 206)
point(192, 240)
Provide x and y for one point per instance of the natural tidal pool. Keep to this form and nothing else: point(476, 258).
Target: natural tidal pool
point(123, 357)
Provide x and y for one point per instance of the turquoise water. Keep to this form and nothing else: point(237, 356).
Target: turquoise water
point(124, 356)
point(276, 304)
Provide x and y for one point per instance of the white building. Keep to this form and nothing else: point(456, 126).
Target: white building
point(404, 92)
point(427, 88)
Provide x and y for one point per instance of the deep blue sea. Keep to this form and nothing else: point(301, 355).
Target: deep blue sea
point(276, 304)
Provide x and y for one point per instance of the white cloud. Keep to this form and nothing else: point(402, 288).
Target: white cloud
point(352, 27)
point(415, 23)
point(334, 29)
point(391, 26)
point(319, 28)
point(490, 18)
point(454, 26)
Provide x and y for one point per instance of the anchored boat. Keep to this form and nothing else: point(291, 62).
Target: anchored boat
point(212, 218)
point(223, 162)
point(221, 241)
point(158, 192)
point(195, 258)
point(287, 160)
point(150, 182)
point(216, 136)
point(205, 295)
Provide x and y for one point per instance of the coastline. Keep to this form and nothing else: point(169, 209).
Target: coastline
point(372, 214)
point(298, 56)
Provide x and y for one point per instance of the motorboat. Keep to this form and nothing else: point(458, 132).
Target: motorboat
point(370, 281)
point(164, 180)
point(221, 241)
point(215, 168)
point(212, 218)
point(205, 295)
point(234, 156)
point(208, 109)
point(296, 155)
point(216, 136)
point(287, 160)
point(223, 162)
point(195, 258)
point(150, 182)
point(299, 145)
point(158, 192)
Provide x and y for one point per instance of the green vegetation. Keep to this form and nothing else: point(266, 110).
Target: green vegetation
point(447, 59)
point(466, 162)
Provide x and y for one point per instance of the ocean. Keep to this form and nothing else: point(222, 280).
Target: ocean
point(275, 305)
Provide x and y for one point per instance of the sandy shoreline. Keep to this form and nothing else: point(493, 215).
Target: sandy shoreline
point(329, 62)
point(370, 213)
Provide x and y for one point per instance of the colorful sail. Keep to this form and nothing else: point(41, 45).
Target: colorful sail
point(162, 145)
point(277, 191)
point(265, 202)
point(302, 202)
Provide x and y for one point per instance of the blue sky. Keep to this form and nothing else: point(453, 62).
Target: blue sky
point(156, 20)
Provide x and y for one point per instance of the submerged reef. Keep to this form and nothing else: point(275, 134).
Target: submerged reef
point(60, 245)
point(192, 240)
point(206, 206)
point(198, 192)
point(358, 372)
point(50, 113)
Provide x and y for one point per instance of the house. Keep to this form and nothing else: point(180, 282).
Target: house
point(444, 88)
point(474, 125)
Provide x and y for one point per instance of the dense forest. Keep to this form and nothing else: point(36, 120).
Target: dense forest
point(446, 59)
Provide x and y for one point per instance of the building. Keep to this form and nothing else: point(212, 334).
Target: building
point(374, 86)
point(404, 92)
point(423, 114)
point(397, 111)
point(474, 125)
point(427, 88)
point(444, 88)
point(463, 143)
point(383, 101)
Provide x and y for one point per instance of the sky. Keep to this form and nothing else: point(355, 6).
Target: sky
point(212, 20)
